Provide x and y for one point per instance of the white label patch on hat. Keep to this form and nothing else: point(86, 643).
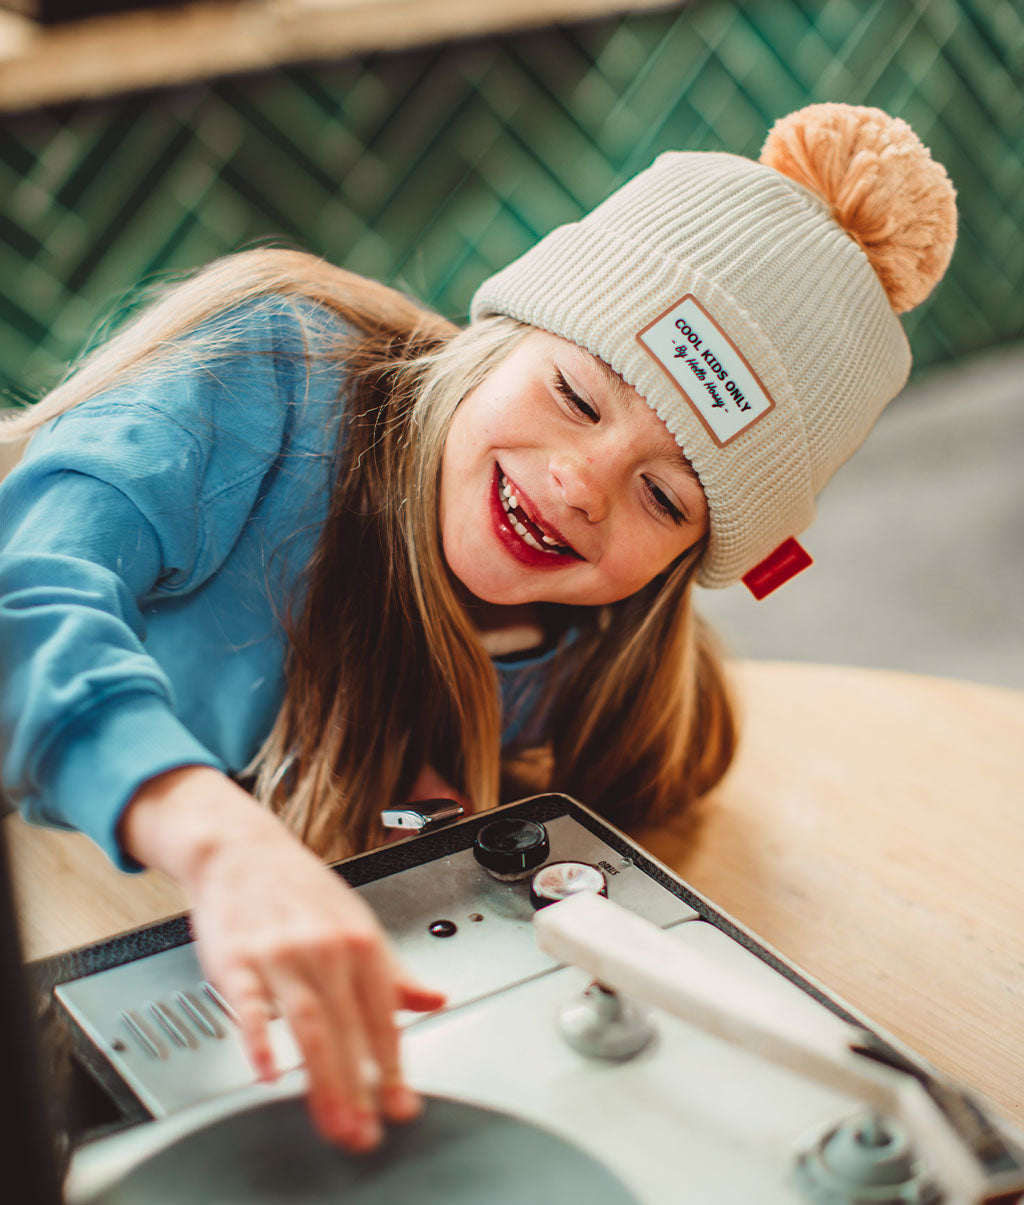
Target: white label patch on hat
point(708, 368)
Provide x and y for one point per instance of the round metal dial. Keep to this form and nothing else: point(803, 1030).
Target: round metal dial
point(511, 848)
point(558, 880)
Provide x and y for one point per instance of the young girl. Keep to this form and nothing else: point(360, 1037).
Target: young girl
point(289, 527)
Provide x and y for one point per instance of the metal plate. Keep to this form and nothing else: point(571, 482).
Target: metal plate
point(163, 1029)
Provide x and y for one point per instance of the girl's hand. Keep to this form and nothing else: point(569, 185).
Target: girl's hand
point(275, 928)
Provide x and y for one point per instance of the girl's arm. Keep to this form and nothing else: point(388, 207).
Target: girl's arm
point(274, 925)
point(121, 507)
point(121, 511)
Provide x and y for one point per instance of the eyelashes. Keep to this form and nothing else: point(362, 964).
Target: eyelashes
point(655, 495)
point(573, 398)
point(663, 504)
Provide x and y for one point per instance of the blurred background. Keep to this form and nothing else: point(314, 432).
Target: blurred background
point(428, 142)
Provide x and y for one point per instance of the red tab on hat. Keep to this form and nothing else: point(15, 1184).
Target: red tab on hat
point(789, 559)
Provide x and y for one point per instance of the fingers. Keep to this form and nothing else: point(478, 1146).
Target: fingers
point(398, 1102)
point(244, 991)
point(378, 999)
point(412, 994)
point(296, 938)
point(340, 998)
point(325, 1018)
point(379, 995)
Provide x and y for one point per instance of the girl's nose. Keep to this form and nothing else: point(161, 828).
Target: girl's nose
point(583, 484)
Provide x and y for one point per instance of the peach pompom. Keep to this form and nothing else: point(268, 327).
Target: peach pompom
point(883, 186)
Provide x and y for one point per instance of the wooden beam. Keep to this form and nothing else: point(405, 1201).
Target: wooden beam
point(125, 52)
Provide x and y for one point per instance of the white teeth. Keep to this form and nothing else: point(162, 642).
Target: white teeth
point(510, 501)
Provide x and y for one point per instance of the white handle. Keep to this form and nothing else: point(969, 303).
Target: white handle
point(626, 953)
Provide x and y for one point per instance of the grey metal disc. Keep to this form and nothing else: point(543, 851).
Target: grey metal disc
point(454, 1154)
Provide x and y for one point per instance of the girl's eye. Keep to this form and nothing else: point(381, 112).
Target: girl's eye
point(663, 503)
point(573, 398)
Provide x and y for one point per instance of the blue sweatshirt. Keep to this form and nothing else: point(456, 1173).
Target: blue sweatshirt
point(150, 541)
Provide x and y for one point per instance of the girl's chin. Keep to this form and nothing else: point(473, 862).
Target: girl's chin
point(477, 593)
point(488, 573)
point(506, 590)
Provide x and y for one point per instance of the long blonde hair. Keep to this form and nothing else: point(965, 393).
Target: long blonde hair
point(388, 677)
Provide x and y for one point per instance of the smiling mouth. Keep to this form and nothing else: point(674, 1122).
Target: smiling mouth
point(525, 526)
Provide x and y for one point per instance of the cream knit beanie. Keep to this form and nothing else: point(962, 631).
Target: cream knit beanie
point(754, 306)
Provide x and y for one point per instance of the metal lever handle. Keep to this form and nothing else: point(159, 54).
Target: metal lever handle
point(421, 815)
point(626, 953)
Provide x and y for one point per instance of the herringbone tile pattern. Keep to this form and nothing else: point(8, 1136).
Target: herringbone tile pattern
point(430, 168)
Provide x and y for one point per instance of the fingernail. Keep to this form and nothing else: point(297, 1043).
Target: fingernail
point(339, 1124)
point(366, 1132)
point(400, 1102)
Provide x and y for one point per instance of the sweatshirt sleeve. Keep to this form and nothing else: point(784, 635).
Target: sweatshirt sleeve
point(139, 493)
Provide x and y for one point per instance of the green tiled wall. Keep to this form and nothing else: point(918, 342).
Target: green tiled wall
point(429, 168)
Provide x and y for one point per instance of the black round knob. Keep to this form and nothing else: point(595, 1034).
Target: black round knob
point(558, 880)
point(511, 849)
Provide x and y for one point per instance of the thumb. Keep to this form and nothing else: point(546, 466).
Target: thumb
point(418, 997)
point(409, 992)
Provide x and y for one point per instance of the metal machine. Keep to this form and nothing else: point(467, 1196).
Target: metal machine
point(640, 1047)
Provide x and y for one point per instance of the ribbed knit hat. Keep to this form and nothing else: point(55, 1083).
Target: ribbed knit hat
point(754, 305)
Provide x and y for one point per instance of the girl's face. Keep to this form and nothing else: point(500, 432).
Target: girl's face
point(560, 484)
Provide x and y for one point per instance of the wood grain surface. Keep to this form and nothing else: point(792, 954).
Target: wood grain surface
point(870, 830)
point(179, 43)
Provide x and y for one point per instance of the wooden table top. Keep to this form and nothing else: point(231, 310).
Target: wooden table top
point(870, 830)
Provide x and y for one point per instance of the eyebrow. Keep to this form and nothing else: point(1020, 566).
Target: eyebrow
point(615, 382)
